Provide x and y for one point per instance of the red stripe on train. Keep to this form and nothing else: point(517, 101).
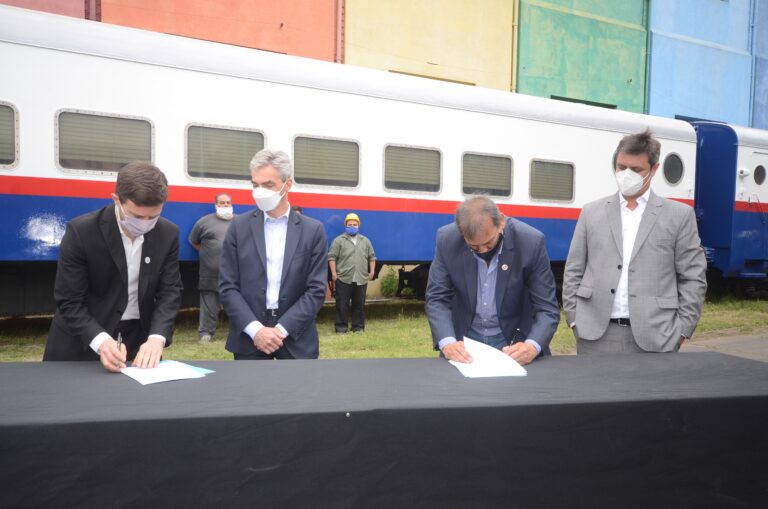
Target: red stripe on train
point(745, 206)
point(37, 186)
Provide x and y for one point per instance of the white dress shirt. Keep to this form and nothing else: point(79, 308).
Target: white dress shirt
point(630, 224)
point(133, 262)
point(275, 231)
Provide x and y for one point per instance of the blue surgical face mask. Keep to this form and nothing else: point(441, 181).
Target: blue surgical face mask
point(351, 230)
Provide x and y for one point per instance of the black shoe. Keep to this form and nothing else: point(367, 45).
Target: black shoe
point(341, 331)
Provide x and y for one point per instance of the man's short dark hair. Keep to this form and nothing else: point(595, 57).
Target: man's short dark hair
point(639, 143)
point(143, 183)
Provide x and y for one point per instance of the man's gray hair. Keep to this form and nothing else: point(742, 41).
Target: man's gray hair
point(471, 214)
point(639, 143)
point(277, 159)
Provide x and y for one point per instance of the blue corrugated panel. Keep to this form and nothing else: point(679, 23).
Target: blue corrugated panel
point(760, 92)
point(700, 62)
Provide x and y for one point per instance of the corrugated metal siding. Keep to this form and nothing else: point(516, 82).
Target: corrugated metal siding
point(700, 65)
point(465, 41)
point(760, 92)
point(591, 50)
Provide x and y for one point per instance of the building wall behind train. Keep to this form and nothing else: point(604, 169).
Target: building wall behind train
point(297, 27)
point(456, 40)
point(588, 50)
point(74, 8)
point(700, 62)
point(760, 87)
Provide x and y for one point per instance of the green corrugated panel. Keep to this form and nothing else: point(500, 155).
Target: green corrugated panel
point(588, 50)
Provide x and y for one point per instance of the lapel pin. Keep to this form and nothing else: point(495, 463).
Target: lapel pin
point(504, 267)
point(146, 260)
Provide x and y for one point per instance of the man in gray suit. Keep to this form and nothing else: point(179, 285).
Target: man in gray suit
point(635, 277)
point(273, 270)
point(491, 281)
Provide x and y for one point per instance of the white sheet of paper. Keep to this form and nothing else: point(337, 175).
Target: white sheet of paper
point(164, 372)
point(487, 362)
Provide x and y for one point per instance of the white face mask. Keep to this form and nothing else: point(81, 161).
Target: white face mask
point(136, 227)
point(224, 212)
point(267, 200)
point(630, 182)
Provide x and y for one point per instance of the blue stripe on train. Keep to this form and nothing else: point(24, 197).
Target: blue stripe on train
point(32, 226)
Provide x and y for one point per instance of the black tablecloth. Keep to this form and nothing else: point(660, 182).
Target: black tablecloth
point(677, 430)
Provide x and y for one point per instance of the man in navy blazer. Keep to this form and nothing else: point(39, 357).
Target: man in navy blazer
point(491, 281)
point(272, 273)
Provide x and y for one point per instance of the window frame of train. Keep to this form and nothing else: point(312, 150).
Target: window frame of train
point(14, 138)
point(533, 177)
point(664, 172)
point(222, 176)
point(115, 165)
point(487, 191)
point(315, 181)
point(420, 188)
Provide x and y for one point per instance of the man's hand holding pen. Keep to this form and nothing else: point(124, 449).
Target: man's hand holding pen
point(113, 354)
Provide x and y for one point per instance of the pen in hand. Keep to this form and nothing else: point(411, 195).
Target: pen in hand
point(119, 344)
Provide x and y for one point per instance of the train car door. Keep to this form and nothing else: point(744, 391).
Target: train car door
point(715, 193)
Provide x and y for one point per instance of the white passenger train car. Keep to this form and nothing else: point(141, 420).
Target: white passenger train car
point(79, 98)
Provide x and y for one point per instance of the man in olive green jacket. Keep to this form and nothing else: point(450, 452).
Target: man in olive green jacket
point(352, 262)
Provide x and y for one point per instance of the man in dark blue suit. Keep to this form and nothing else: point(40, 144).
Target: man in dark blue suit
point(272, 274)
point(491, 281)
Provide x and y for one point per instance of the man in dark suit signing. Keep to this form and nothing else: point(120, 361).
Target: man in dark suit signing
point(491, 281)
point(118, 276)
point(272, 274)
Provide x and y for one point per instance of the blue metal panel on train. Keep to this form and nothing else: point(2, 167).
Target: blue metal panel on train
point(716, 187)
point(760, 87)
point(34, 225)
point(699, 61)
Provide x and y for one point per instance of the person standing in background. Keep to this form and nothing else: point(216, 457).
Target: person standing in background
point(352, 262)
point(206, 237)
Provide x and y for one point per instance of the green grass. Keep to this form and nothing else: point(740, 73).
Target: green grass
point(394, 329)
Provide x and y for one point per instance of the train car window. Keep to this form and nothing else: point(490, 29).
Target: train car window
point(411, 169)
point(223, 153)
point(326, 162)
point(673, 169)
point(760, 175)
point(98, 142)
point(551, 180)
point(485, 174)
point(8, 143)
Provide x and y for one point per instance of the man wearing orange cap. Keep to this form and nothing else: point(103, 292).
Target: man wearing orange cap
point(352, 262)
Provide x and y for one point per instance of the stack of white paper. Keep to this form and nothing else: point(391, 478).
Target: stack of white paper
point(487, 362)
point(165, 372)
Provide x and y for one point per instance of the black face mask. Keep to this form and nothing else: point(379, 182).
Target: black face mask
point(488, 255)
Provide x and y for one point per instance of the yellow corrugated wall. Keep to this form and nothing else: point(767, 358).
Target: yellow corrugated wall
point(467, 41)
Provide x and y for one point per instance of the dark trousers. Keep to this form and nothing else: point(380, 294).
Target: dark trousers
point(209, 312)
point(344, 293)
point(281, 353)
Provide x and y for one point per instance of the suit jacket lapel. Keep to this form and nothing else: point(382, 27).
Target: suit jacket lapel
point(147, 253)
point(652, 210)
point(505, 259)
point(292, 236)
point(613, 212)
point(257, 229)
point(111, 233)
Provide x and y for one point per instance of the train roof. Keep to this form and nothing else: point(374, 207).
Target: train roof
point(745, 136)
point(32, 28)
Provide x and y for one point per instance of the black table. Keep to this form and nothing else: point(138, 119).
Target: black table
point(676, 430)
